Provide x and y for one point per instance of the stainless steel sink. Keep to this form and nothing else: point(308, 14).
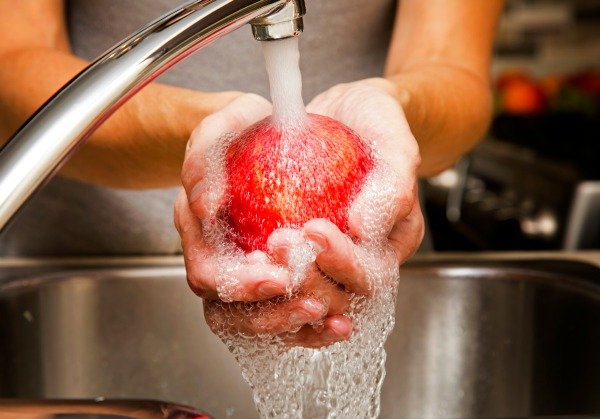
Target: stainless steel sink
point(491, 339)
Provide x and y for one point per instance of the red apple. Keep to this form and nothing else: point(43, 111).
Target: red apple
point(283, 177)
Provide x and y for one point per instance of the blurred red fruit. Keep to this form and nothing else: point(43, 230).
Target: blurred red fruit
point(510, 76)
point(521, 97)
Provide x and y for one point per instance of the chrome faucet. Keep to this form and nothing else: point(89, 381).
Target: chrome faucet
point(52, 134)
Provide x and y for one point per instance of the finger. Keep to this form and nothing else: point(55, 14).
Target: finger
point(247, 282)
point(290, 247)
point(269, 318)
point(335, 328)
point(200, 162)
point(212, 275)
point(180, 204)
point(371, 110)
point(408, 233)
point(200, 268)
point(325, 103)
point(336, 255)
point(238, 115)
point(296, 322)
point(383, 200)
point(257, 256)
point(377, 116)
point(240, 280)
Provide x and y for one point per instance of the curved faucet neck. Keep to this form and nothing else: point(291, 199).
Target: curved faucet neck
point(37, 151)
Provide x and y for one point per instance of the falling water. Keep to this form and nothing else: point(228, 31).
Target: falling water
point(282, 61)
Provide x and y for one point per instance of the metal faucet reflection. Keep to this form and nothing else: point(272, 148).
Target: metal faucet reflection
point(48, 138)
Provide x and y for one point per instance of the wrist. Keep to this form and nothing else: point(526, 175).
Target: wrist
point(396, 90)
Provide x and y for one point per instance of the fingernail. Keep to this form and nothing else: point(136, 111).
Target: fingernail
point(318, 242)
point(299, 317)
point(329, 336)
point(280, 253)
point(337, 330)
point(270, 289)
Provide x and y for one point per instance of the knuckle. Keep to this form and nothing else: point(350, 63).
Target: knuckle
point(189, 166)
point(197, 281)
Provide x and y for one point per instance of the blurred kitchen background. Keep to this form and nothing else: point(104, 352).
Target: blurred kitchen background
point(534, 182)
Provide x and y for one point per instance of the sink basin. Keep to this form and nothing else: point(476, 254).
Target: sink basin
point(489, 339)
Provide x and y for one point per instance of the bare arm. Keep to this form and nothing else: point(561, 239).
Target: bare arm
point(141, 145)
point(439, 62)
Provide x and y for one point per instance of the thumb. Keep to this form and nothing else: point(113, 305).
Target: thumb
point(238, 115)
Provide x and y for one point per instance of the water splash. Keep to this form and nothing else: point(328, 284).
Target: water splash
point(340, 381)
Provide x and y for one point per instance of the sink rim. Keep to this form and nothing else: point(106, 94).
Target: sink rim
point(572, 274)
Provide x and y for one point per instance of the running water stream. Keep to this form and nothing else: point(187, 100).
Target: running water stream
point(282, 61)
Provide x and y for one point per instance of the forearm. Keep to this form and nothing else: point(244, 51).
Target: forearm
point(439, 66)
point(448, 109)
point(141, 145)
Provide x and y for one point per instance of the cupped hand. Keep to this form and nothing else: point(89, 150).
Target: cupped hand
point(251, 300)
point(387, 211)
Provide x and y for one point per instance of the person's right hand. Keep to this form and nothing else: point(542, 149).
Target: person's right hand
point(238, 302)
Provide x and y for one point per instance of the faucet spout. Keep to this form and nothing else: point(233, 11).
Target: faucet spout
point(39, 148)
point(284, 22)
